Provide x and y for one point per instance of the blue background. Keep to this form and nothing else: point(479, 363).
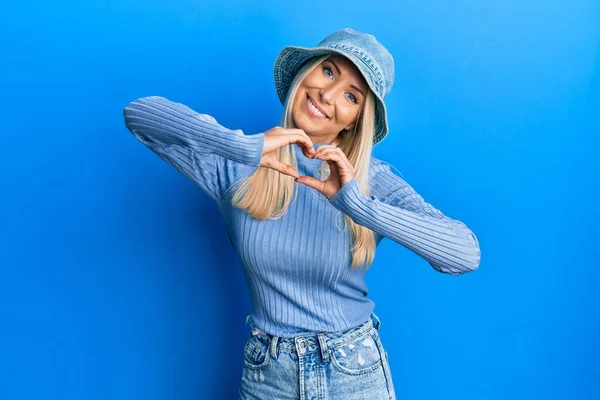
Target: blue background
point(117, 277)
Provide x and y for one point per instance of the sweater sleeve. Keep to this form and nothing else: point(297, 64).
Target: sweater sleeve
point(195, 144)
point(403, 216)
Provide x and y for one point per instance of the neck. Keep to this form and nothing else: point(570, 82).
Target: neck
point(324, 140)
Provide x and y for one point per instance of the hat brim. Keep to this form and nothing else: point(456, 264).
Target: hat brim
point(290, 60)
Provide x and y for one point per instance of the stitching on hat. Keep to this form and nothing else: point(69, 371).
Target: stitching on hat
point(367, 61)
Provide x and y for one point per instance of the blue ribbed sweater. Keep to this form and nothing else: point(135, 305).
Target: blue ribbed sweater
point(297, 267)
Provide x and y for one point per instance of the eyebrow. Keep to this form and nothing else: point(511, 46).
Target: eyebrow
point(340, 72)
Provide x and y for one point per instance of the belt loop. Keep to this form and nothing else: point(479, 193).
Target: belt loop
point(323, 346)
point(274, 340)
point(376, 321)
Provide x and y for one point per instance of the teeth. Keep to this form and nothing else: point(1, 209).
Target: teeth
point(314, 108)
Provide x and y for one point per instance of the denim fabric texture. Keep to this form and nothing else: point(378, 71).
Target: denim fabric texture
point(344, 365)
point(371, 58)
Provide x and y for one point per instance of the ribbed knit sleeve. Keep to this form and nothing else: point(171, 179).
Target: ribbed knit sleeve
point(403, 216)
point(192, 142)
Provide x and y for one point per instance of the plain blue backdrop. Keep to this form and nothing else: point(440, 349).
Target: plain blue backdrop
point(117, 280)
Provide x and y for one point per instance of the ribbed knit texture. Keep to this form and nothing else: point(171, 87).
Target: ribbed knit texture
point(297, 267)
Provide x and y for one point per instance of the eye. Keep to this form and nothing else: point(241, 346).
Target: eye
point(328, 69)
point(329, 72)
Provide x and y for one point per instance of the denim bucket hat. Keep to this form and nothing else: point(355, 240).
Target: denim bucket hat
point(371, 58)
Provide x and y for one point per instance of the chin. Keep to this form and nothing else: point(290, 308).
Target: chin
point(303, 121)
point(308, 126)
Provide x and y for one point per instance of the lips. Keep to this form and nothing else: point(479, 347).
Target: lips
point(315, 105)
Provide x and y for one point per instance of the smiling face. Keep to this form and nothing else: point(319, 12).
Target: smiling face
point(329, 99)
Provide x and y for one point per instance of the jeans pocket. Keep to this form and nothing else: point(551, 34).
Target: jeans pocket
point(387, 371)
point(256, 353)
point(359, 355)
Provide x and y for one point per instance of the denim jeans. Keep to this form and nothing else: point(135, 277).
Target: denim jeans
point(345, 365)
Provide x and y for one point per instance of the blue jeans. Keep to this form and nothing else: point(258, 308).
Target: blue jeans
point(344, 365)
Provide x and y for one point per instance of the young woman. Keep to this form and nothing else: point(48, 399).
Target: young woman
point(305, 205)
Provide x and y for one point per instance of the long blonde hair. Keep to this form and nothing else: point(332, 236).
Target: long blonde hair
point(267, 193)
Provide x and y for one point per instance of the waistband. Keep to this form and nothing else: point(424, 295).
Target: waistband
point(305, 344)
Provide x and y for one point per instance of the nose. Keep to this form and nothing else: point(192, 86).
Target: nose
point(327, 93)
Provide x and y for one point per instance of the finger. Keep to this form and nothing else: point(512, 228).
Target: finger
point(305, 140)
point(335, 159)
point(307, 153)
point(312, 182)
point(285, 169)
point(326, 147)
point(335, 152)
point(329, 154)
point(305, 144)
point(330, 147)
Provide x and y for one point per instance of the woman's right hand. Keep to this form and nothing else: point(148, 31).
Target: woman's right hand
point(278, 137)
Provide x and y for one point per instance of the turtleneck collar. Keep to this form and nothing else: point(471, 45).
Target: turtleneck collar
point(308, 166)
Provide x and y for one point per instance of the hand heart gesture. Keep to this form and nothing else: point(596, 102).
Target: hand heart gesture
point(341, 173)
point(278, 137)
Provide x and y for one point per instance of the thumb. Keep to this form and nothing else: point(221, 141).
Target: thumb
point(285, 168)
point(312, 182)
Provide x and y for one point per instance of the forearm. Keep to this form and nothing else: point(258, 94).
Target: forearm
point(447, 244)
point(158, 121)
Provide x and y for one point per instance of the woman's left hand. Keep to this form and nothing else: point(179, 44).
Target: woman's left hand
point(341, 173)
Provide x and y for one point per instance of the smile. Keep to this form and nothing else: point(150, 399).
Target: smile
point(314, 110)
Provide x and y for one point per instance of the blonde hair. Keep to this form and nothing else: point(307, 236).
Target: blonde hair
point(267, 193)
